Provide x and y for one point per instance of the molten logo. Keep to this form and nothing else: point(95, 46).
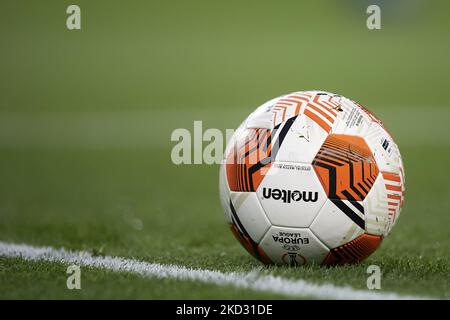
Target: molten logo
point(287, 195)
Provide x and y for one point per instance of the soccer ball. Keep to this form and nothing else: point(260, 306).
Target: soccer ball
point(311, 177)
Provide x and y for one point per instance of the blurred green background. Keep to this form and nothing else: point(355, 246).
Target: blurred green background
point(137, 70)
point(86, 118)
point(219, 54)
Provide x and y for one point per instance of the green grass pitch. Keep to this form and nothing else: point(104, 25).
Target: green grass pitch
point(86, 117)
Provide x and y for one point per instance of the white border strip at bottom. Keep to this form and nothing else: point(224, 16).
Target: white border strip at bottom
point(251, 281)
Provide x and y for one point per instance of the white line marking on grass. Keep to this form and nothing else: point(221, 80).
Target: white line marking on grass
point(251, 281)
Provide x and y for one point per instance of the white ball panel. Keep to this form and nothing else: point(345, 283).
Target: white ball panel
point(262, 116)
point(250, 214)
point(376, 209)
point(333, 227)
point(351, 120)
point(293, 246)
point(291, 194)
point(384, 149)
point(303, 141)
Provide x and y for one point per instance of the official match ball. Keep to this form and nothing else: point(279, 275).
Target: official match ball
point(311, 177)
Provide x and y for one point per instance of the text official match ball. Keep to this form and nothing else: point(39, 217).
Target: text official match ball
point(311, 177)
